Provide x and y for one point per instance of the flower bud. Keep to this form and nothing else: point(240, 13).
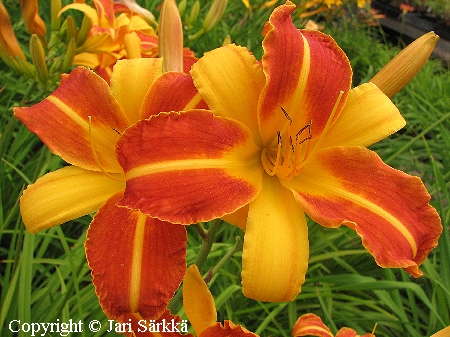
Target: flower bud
point(9, 46)
point(68, 57)
point(214, 14)
point(38, 57)
point(31, 19)
point(403, 67)
point(55, 8)
point(182, 7)
point(194, 13)
point(171, 37)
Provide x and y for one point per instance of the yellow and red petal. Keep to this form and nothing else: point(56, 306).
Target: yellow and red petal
point(348, 332)
point(230, 81)
point(137, 262)
point(310, 325)
point(305, 72)
point(228, 329)
point(276, 246)
point(61, 121)
point(189, 167)
point(171, 92)
point(9, 46)
point(198, 302)
point(368, 117)
point(388, 208)
point(64, 195)
point(130, 82)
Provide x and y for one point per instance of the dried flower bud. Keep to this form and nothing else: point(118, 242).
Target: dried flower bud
point(403, 67)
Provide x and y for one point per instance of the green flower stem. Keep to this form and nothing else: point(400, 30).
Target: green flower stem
point(236, 248)
point(205, 248)
point(207, 242)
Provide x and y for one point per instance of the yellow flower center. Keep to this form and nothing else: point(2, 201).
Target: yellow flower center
point(293, 150)
point(285, 160)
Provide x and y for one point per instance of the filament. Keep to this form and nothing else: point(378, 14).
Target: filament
point(94, 154)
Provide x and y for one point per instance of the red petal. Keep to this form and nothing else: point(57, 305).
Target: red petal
point(389, 209)
point(189, 167)
point(171, 92)
point(305, 71)
point(61, 120)
point(137, 262)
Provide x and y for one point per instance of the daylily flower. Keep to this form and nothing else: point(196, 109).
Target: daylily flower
point(281, 141)
point(201, 311)
point(111, 37)
point(312, 325)
point(137, 262)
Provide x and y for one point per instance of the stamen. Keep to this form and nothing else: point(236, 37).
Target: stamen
point(324, 131)
point(94, 154)
point(307, 126)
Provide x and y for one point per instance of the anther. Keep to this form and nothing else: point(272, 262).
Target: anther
point(286, 115)
point(307, 126)
point(118, 132)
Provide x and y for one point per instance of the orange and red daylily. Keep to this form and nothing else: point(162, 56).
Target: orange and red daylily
point(137, 262)
point(312, 325)
point(117, 32)
point(280, 141)
point(201, 311)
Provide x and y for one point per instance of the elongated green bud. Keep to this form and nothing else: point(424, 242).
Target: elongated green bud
point(182, 7)
point(38, 58)
point(194, 13)
point(68, 57)
point(214, 14)
point(55, 21)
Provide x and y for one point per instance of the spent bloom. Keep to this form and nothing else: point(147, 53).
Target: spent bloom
point(137, 262)
point(280, 141)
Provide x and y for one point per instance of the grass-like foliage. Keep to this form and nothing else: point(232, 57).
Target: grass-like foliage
point(45, 277)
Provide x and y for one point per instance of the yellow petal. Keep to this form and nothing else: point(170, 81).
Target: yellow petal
point(230, 81)
point(368, 117)
point(131, 80)
point(198, 301)
point(63, 195)
point(276, 247)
